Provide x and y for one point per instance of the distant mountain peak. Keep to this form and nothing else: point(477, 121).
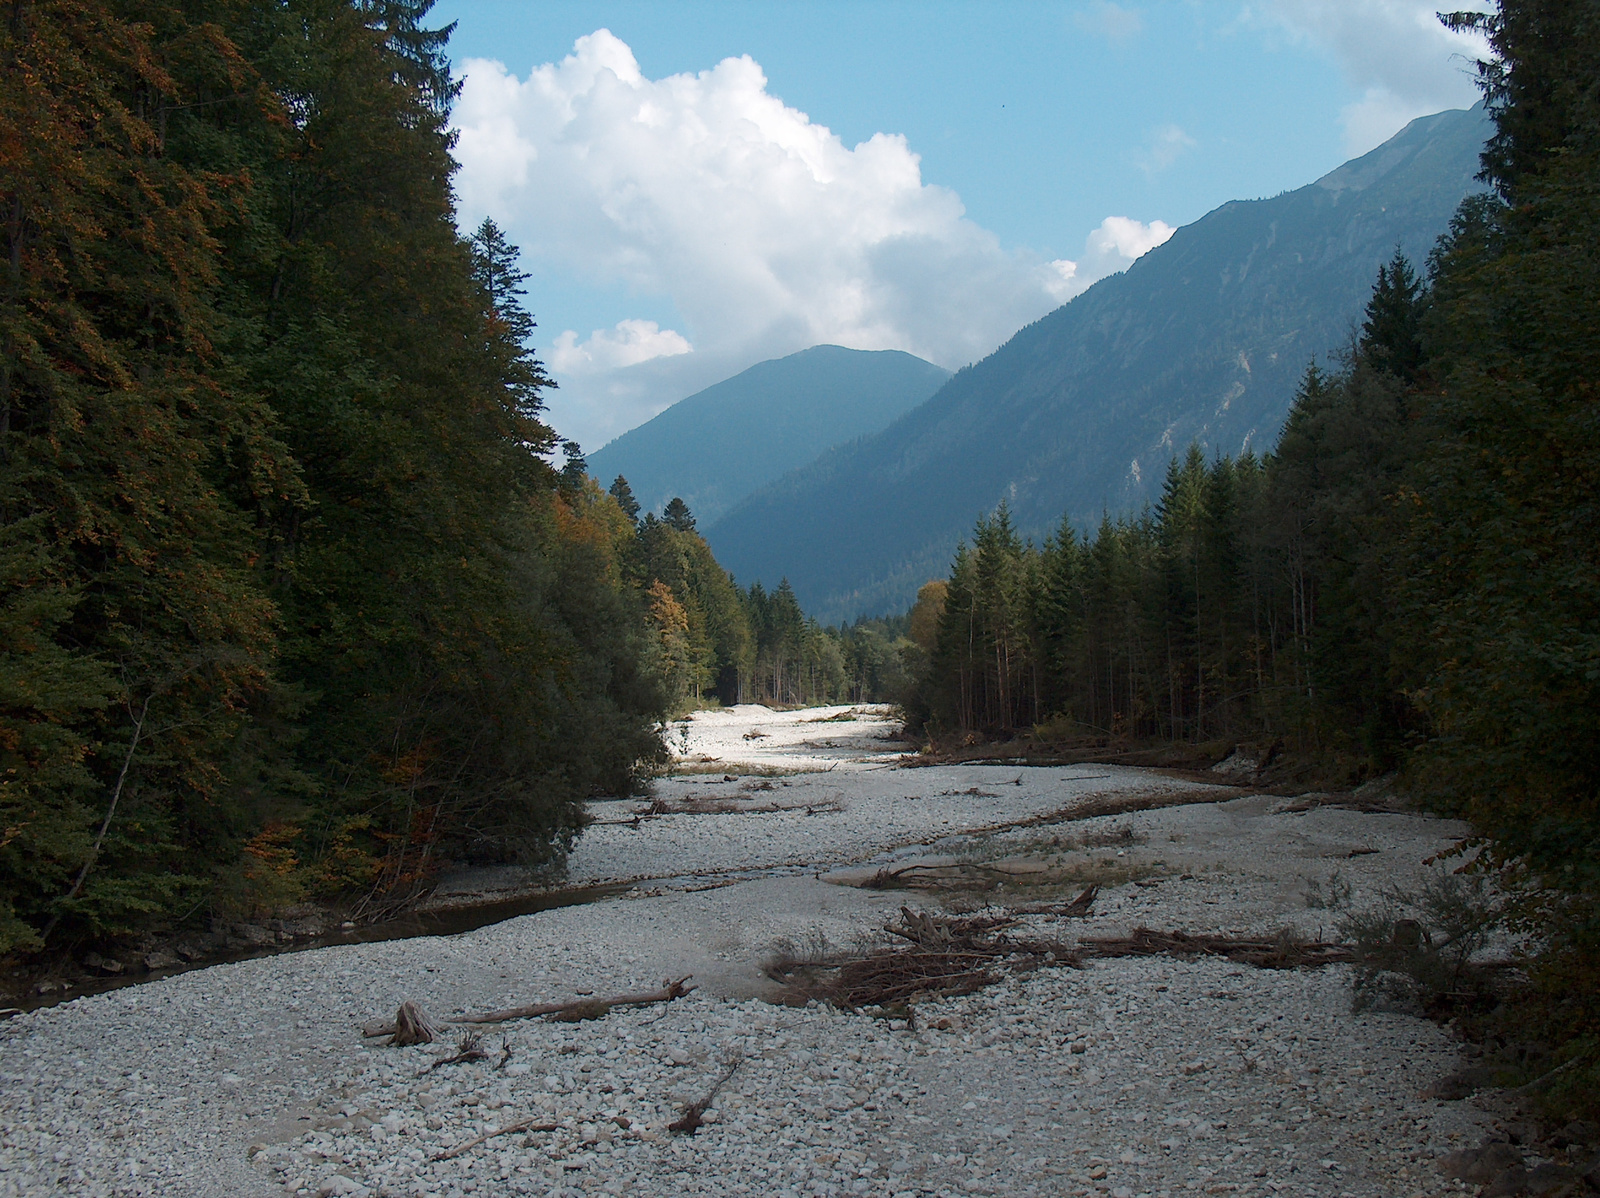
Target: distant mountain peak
point(721, 444)
point(1203, 339)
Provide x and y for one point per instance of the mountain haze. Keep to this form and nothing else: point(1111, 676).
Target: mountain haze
point(719, 445)
point(1202, 339)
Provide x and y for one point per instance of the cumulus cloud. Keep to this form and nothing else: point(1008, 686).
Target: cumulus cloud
point(1110, 20)
point(1166, 144)
point(1406, 63)
point(767, 233)
point(1119, 241)
point(631, 342)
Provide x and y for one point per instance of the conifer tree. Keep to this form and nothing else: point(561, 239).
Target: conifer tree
point(1391, 332)
point(677, 515)
point(623, 494)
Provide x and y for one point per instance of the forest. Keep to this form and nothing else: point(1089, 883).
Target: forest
point(1409, 581)
point(293, 601)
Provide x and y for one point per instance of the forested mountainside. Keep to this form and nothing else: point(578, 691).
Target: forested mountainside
point(1202, 339)
point(1408, 582)
point(719, 445)
point(292, 603)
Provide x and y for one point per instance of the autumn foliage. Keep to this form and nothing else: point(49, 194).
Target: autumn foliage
point(290, 600)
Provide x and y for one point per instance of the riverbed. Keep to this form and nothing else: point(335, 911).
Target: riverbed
point(1140, 1076)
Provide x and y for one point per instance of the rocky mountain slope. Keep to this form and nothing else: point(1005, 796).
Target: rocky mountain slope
point(1203, 339)
point(719, 445)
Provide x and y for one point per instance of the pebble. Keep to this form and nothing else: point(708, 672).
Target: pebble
point(1133, 1078)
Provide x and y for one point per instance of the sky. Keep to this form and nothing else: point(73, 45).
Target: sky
point(697, 187)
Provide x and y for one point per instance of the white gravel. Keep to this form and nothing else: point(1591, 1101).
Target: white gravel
point(1132, 1077)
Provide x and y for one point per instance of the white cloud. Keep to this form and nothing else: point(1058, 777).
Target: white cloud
point(1119, 241)
point(764, 230)
point(1165, 146)
point(631, 342)
point(1110, 20)
point(1406, 63)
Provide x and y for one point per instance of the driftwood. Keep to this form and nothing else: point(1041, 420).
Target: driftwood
point(1285, 951)
point(507, 1130)
point(689, 1121)
point(943, 956)
point(584, 1008)
point(467, 1050)
point(412, 1026)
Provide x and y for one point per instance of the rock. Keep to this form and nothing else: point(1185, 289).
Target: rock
point(1463, 1083)
point(1237, 764)
point(1591, 1172)
point(1481, 1164)
point(161, 959)
point(1535, 1182)
point(340, 1186)
point(253, 934)
point(1579, 1132)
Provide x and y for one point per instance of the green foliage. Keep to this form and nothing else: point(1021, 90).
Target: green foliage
point(291, 599)
point(1505, 590)
point(676, 515)
point(1411, 580)
point(623, 494)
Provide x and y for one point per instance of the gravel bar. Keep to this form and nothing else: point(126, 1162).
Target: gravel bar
point(1132, 1077)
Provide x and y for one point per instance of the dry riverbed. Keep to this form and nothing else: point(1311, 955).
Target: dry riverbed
point(1138, 1076)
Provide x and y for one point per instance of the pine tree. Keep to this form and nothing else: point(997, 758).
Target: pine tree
point(677, 515)
point(1391, 332)
point(623, 494)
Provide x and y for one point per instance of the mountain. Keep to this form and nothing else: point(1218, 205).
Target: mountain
point(717, 446)
point(1202, 339)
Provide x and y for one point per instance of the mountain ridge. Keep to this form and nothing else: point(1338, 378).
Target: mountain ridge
point(724, 442)
point(1204, 338)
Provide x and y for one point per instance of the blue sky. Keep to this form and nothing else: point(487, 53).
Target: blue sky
point(682, 221)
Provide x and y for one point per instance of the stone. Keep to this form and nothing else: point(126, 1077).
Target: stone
point(161, 959)
point(340, 1186)
point(1578, 1133)
point(1536, 1182)
point(1481, 1164)
point(1461, 1084)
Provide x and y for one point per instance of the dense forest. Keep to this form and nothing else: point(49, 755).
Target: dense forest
point(719, 642)
point(293, 602)
point(1410, 581)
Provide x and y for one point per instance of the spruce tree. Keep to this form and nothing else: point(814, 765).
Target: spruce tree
point(677, 515)
point(1391, 331)
point(623, 494)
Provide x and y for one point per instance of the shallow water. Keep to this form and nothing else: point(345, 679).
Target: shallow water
point(447, 921)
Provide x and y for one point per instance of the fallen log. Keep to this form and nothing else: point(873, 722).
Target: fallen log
point(1285, 951)
point(507, 1130)
point(412, 1026)
point(584, 1008)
